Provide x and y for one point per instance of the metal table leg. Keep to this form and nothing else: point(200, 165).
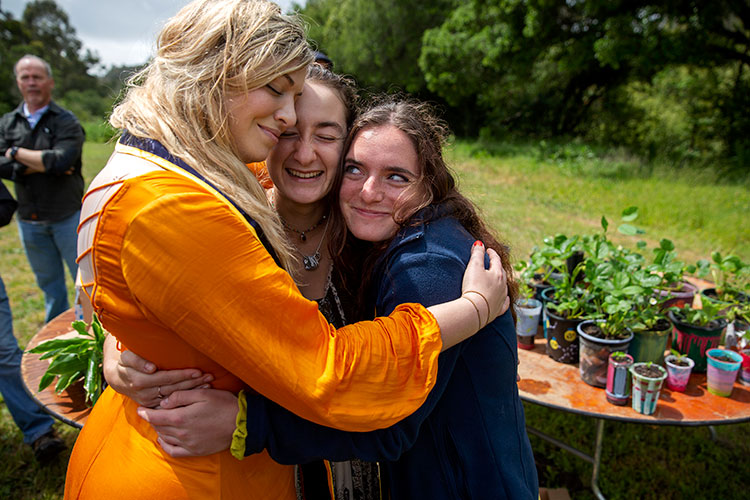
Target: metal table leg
point(598, 459)
point(595, 460)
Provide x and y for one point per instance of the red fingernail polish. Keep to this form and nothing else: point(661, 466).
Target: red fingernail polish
point(477, 243)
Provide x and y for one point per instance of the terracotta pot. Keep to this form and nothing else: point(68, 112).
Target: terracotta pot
point(528, 312)
point(722, 373)
point(618, 380)
point(695, 340)
point(678, 376)
point(594, 354)
point(646, 389)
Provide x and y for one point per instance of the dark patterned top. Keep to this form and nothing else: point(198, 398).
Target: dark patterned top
point(355, 479)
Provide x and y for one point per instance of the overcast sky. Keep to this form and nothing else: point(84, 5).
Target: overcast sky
point(119, 32)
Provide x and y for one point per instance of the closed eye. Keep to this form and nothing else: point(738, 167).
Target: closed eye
point(273, 90)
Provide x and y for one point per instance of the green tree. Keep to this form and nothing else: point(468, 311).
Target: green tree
point(56, 42)
point(14, 43)
point(549, 66)
point(377, 41)
point(45, 30)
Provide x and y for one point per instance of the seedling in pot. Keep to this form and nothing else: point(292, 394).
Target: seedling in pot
point(679, 358)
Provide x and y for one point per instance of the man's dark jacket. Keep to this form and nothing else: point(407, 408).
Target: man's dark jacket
point(56, 193)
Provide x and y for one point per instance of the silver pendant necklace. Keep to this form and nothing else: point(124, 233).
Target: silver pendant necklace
point(311, 262)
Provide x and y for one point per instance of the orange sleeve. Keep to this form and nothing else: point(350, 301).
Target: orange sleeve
point(191, 263)
point(261, 173)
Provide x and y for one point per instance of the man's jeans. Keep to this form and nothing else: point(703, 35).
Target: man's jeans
point(32, 421)
point(48, 245)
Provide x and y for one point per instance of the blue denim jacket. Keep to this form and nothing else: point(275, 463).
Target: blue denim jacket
point(468, 440)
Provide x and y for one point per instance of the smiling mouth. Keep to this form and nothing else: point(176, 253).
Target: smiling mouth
point(272, 133)
point(303, 175)
point(370, 213)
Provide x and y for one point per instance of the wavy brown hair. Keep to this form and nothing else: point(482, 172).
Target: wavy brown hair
point(434, 190)
point(211, 50)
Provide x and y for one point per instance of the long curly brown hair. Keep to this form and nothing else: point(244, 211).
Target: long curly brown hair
point(435, 188)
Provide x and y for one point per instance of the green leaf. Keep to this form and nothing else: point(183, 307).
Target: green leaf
point(66, 364)
point(666, 245)
point(66, 380)
point(96, 326)
point(632, 290)
point(628, 229)
point(57, 344)
point(46, 380)
point(641, 245)
point(605, 224)
point(716, 257)
point(630, 214)
point(80, 327)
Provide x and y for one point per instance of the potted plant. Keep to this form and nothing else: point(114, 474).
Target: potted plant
point(528, 309)
point(647, 381)
point(651, 326)
point(566, 303)
point(697, 330)
point(608, 271)
point(679, 367)
point(618, 378)
point(723, 366)
point(674, 289)
point(74, 359)
point(732, 290)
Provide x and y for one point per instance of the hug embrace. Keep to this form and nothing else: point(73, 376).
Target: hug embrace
point(351, 317)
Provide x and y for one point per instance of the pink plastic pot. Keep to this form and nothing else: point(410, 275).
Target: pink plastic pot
point(678, 376)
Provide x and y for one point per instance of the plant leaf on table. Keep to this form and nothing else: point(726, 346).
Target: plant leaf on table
point(74, 359)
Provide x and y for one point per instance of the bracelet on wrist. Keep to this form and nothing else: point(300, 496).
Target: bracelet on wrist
point(479, 318)
point(489, 310)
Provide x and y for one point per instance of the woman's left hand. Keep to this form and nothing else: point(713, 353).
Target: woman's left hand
point(194, 423)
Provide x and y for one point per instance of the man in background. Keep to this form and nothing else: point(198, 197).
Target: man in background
point(42, 145)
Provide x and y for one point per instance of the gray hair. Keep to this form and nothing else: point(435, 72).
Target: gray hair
point(35, 58)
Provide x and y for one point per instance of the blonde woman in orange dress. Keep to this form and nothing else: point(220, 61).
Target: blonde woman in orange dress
point(183, 260)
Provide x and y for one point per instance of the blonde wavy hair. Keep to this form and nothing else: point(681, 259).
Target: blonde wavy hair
point(209, 50)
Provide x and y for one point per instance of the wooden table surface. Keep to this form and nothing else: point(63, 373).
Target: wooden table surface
point(557, 385)
point(69, 406)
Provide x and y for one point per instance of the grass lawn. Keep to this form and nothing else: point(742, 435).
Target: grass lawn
point(526, 198)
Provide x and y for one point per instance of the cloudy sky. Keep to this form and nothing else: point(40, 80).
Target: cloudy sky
point(120, 32)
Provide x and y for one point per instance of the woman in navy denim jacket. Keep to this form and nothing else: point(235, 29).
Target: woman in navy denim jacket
point(468, 440)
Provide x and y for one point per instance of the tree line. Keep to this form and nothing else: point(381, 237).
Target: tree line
point(44, 30)
point(661, 78)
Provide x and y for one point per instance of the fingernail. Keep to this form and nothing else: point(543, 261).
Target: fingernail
point(208, 378)
point(205, 386)
point(142, 413)
point(150, 367)
point(478, 243)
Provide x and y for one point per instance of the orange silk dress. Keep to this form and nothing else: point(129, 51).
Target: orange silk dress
point(181, 278)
